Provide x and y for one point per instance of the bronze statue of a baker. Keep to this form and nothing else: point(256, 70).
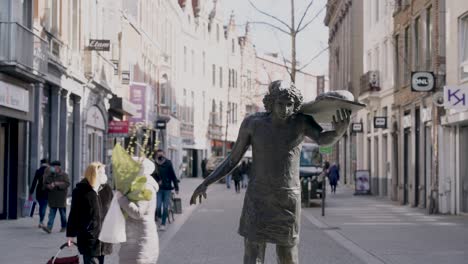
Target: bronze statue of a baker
point(272, 205)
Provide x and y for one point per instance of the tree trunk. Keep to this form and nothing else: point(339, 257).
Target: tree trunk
point(293, 44)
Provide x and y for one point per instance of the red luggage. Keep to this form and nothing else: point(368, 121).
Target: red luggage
point(64, 260)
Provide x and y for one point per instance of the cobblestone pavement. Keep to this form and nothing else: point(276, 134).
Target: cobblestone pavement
point(355, 229)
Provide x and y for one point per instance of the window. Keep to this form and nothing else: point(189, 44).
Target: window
point(229, 116)
point(377, 59)
point(417, 43)
point(221, 112)
point(377, 10)
point(406, 55)
point(397, 62)
point(233, 46)
point(464, 47)
point(185, 59)
point(229, 78)
point(221, 77)
point(214, 74)
point(429, 38)
point(193, 62)
point(384, 60)
point(204, 63)
point(217, 32)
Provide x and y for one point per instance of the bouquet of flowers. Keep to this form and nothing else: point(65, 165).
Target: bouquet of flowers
point(127, 172)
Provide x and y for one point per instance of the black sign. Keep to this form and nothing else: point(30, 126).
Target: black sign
point(422, 81)
point(160, 124)
point(99, 44)
point(380, 122)
point(125, 77)
point(356, 127)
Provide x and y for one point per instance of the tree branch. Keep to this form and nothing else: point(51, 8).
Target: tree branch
point(313, 58)
point(273, 26)
point(270, 16)
point(304, 14)
point(282, 55)
point(312, 20)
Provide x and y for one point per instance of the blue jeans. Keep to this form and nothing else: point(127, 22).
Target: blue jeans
point(164, 199)
point(42, 209)
point(63, 217)
point(228, 181)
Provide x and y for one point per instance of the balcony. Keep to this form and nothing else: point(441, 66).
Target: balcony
point(22, 52)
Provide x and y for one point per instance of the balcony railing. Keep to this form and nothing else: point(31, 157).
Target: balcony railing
point(19, 46)
point(370, 82)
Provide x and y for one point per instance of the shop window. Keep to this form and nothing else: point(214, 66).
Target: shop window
point(464, 48)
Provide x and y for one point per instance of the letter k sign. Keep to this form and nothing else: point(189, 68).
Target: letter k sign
point(455, 97)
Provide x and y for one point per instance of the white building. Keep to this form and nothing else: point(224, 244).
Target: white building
point(453, 153)
point(374, 145)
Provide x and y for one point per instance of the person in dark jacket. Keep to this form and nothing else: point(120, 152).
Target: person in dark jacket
point(41, 192)
point(90, 202)
point(333, 177)
point(237, 177)
point(166, 178)
point(57, 183)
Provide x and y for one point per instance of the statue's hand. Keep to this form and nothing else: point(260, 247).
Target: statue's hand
point(198, 193)
point(341, 121)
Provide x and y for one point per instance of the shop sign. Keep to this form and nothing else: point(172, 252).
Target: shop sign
point(325, 150)
point(138, 98)
point(125, 77)
point(160, 124)
point(356, 127)
point(362, 182)
point(99, 44)
point(380, 122)
point(422, 81)
point(118, 127)
point(14, 97)
point(455, 97)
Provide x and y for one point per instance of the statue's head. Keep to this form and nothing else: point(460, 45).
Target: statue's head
point(282, 99)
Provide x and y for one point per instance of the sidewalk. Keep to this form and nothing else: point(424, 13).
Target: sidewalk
point(22, 242)
point(380, 231)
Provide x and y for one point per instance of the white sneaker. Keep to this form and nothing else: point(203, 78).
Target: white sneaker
point(162, 228)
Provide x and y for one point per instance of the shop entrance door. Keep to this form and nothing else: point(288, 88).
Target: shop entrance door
point(464, 169)
point(3, 177)
point(406, 163)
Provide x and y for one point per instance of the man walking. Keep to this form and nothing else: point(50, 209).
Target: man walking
point(57, 183)
point(166, 178)
point(41, 192)
point(333, 177)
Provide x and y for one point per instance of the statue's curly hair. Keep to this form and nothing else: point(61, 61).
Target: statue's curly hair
point(275, 92)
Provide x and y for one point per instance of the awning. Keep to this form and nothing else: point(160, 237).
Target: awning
point(121, 106)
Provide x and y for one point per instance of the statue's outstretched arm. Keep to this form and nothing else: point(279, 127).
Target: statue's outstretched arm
point(229, 163)
point(340, 122)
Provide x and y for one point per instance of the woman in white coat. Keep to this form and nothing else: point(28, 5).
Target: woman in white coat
point(142, 245)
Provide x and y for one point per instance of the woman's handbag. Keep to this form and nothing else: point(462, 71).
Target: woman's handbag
point(64, 260)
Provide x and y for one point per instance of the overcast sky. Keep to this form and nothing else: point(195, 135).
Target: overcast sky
point(310, 41)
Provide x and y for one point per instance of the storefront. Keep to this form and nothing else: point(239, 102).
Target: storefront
point(95, 132)
point(16, 110)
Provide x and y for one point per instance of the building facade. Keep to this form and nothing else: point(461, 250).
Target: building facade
point(453, 172)
point(419, 43)
point(345, 22)
point(374, 145)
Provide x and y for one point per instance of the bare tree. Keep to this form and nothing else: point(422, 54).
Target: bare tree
point(291, 29)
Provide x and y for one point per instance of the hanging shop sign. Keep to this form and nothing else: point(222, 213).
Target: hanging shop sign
point(455, 97)
point(357, 128)
point(125, 77)
point(118, 127)
point(422, 81)
point(99, 44)
point(160, 124)
point(362, 182)
point(380, 122)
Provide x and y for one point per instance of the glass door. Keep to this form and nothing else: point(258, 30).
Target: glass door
point(3, 190)
point(464, 169)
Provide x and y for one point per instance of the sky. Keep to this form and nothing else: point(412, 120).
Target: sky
point(310, 42)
